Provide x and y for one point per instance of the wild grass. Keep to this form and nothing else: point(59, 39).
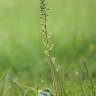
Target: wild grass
point(23, 66)
point(49, 50)
point(59, 90)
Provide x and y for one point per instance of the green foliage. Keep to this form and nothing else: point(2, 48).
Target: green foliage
point(72, 24)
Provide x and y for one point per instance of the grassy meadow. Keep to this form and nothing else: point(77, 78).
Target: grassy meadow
point(23, 64)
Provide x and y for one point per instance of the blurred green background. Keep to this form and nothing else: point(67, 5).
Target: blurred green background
point(73, 27)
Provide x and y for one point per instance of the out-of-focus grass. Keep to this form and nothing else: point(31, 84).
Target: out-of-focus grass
point(72, 23)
